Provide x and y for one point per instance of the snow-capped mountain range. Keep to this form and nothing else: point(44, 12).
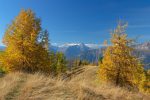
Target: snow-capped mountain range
point(92, 52)
point(93, 46)
point(144, 46)
point(73, 50)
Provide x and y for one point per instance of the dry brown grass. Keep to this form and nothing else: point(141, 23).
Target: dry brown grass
point(20, 86)
point(9, 84)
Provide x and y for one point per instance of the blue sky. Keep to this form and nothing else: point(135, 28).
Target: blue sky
point(86, 21)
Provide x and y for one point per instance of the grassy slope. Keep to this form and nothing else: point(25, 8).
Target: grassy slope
point(82, 86)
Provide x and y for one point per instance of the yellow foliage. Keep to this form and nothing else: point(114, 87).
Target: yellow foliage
point(146, 87)
point(23, 50)
point(119, 66)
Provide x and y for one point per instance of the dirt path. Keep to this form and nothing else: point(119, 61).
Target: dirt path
point(14, 93)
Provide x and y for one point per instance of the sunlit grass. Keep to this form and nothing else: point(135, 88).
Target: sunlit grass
point(21, 86)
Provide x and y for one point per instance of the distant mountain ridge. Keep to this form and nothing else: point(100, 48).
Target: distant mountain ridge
point(89, 52)
point(144, 52)
point(143, 46)
point(71, 50)
point(92, 54)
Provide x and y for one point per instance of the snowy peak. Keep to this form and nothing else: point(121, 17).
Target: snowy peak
point(90, 45)
point(68, 44)
point(144, 46)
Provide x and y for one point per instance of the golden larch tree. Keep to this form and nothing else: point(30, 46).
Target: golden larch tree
point(23, 48)
point(119, 66)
